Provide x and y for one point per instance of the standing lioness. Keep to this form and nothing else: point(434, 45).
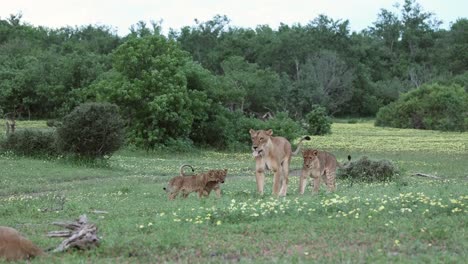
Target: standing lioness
point(275, 153)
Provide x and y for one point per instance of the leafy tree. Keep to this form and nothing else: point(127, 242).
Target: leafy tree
point(248, 88)
point(326, 80)
point(149, 84)
point(202, 41)
point(458, 46)
point(433, 106)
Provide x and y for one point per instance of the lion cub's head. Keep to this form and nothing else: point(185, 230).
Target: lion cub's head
point(310, 158)
point(260, 138)
point(218, 175)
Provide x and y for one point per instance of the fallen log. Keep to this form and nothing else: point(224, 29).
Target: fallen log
point(81, 235)
point(426, 175)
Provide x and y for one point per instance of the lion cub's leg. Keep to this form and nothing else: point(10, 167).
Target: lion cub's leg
point(331, 180)
point(173, 192)
point(303, 181)
point(285, 178)
point(172, 195)
point(217, 189)
point(260, 174)
point(316, 175)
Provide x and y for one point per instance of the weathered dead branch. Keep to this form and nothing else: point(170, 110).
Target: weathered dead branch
point(81, 235)
point(426, 175)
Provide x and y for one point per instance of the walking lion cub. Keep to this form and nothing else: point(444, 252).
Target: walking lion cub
point(195, 183)
point(319, 164)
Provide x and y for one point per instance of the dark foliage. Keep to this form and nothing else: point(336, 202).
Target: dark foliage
point(434, 107)
point(317, 122)
point(187, 87)
point(91, 130)
point(230, 130)
point(366, 170)
point(31, 142)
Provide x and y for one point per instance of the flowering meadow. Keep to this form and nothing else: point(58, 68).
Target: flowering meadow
point(410, 220)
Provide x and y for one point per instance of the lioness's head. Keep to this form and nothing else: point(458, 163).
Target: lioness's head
point(260, 139)
point(310, 158)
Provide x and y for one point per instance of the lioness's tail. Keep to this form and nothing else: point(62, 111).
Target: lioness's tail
point(181, 169)
point(299, 145)
point(345, 166)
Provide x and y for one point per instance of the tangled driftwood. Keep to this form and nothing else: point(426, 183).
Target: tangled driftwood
point(426, 175)
point(81, 235)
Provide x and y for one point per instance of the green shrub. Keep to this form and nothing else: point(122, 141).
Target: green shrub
point(91, 130)
point(230, 130)
point(53, 123)
point(224, 129)
point(282, 125)
point(317, 122)
point(31, 142)
point(366, 170)
point(433, 106)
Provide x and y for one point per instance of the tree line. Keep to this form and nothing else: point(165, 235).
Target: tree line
point(168, 86)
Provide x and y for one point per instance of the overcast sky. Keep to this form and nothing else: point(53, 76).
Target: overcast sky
point(121, 14)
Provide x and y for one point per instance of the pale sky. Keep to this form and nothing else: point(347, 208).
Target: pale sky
point(121, 14)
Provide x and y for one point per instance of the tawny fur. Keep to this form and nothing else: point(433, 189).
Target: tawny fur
point(216, 185)
point(318, 164)
point(13, 246)
point(189, 184)
point(275, 153)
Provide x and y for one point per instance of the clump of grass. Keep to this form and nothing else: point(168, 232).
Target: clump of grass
point(366, 170)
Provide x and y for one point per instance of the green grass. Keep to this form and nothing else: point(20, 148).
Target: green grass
point(412, 220)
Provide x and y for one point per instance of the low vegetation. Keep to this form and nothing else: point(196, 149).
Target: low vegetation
point(410, 219)
point(437, 107)
point(91, 130)
point(368, 170)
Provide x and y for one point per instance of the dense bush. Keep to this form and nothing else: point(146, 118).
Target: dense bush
point(366, 170)
point(224, 129)
point(30, 142)
point(53, 123)
point(282, 125)
point(317, 122)
point(91, 130)
point(428, 107)
point(230, 130)
point(155, 84)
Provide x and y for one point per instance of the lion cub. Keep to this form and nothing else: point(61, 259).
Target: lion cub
point(13, 246)
point(216, 185)
point(319, 164)
point(195, 183)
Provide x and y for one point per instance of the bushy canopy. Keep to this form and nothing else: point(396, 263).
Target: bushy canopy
point(438, 107)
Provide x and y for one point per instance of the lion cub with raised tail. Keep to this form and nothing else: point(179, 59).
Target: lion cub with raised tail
point(318, 164)
point(195, 183)
point(14, 247)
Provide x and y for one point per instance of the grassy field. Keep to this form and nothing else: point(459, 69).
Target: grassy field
point(411, 220)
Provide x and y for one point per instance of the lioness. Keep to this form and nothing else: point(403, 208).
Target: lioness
point(275, 153)
point(319, 164)
point(13, 246)
point(189, 184)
